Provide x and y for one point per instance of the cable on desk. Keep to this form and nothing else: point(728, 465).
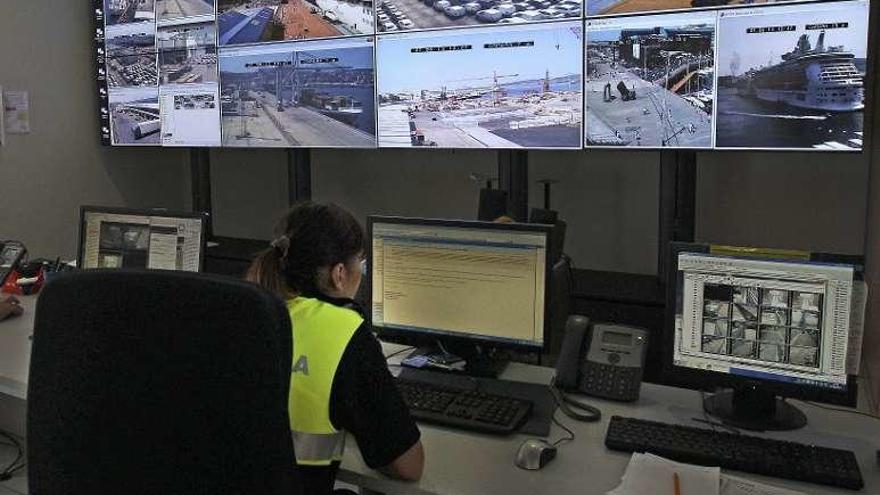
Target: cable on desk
point(840, 409)
point(18, 463)
point(569, 438)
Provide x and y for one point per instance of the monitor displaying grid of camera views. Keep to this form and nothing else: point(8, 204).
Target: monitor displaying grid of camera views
point(778, 320)
point(495, 74)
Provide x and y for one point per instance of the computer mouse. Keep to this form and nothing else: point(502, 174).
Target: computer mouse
point(534, 454)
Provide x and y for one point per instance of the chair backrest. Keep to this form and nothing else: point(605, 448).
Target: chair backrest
point(159, 382)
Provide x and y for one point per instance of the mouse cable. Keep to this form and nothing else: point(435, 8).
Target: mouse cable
point(570, 406)
point(569, 438)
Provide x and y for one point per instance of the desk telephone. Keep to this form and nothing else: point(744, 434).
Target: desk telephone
point(11, 255)
point(602, 360)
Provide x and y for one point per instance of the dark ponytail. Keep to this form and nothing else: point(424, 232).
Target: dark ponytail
point(311, 236)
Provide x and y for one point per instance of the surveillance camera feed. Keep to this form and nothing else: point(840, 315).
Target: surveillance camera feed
point(650, 81)
point(772, 325)
point(482, 88)
point(188, 54)
point(134, 116)
point(793, 77)
point(494, 74)
point(404, 15)
point(131, 55)
point(129, 11)
point(314, 93)
point(168, 10)
point(613, 7)
point(257, 21)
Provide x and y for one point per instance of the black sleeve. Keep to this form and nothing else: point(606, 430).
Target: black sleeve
point(365, 401)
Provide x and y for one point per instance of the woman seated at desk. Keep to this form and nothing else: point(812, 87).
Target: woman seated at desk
point(340, 381)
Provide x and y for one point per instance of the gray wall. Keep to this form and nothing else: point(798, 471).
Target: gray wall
point(250, 191)
point(46, 175)
point(609, 199)
point(814, 202)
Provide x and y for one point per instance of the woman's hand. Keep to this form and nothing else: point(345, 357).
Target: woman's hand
point(10, 307)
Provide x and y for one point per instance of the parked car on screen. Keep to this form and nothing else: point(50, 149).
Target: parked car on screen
point(472, 7)
point(531, 15)
point(506, 9)
point(455, 11)
point(389, 26)
point(569, 9)
point(406, 24)
point(489, 15)
point(440, 5)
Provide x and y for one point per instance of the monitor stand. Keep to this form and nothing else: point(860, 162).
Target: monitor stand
point(470, 361)
point(754, 409)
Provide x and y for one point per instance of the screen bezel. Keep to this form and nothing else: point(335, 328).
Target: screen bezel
point(416, 337)
point(143, 212)
point(710, 381)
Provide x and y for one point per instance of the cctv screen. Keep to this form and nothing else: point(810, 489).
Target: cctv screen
point(775, 320)
point(115, 240)
point(492, 74)
point(459, 281)
point(789, 77)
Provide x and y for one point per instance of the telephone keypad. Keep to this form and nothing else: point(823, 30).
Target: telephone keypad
point(610, 381)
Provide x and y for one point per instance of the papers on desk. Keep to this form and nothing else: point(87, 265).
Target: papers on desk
point(648, 474)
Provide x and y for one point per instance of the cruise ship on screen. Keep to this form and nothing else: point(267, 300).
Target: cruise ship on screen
point(820, 78)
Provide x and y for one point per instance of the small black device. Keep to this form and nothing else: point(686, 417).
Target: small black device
point(781, 459)
point(464, 408)
point(602, 360)
point(11, 255)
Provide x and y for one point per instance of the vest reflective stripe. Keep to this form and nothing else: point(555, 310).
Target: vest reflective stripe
point(315, 450)
point(321, 333)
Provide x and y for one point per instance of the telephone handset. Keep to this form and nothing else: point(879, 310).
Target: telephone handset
point(11, 255)
point(602, 360)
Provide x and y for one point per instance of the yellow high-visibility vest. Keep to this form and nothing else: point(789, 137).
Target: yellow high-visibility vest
point(321, 333)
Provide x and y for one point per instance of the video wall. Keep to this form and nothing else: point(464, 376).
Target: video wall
point(498, 74)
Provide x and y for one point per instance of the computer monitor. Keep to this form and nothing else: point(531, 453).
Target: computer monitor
point(766, 324)
point(145, 239)
point(459, 282)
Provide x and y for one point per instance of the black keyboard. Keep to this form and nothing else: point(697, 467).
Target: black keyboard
point(790, 460)
point(464, 408)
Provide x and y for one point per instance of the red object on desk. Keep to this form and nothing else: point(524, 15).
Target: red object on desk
point(12, 285)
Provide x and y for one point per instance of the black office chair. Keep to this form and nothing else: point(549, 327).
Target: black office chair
point(159, 383)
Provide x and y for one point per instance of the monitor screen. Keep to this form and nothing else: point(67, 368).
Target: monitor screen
point(304, 94)
point(518, 87)
point(792, 76)
point(650, 81)
point(617, 7)
point(491, 74)
point(117, 238)
point(779, 321)
point(459, 279)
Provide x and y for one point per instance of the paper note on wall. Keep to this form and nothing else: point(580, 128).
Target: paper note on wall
point(16, 110)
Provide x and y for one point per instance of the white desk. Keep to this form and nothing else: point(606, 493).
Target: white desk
point(461, 463)
point(15, 349)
